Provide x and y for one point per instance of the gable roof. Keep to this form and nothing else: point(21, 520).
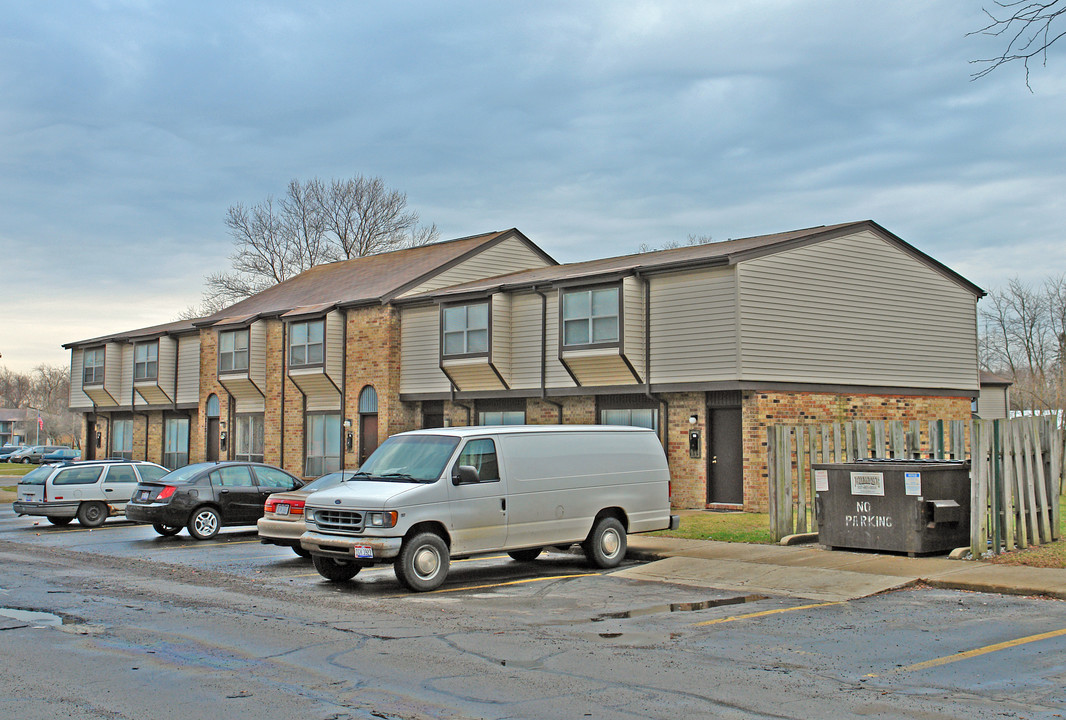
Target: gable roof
point(728, 252)
point(374, 279)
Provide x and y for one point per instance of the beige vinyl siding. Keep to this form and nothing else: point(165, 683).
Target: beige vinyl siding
point(855, 310)
point(500, 343)
point(693, 326)
point(113, 373)
point(598, 367)
point(319, 392)
point(188, 369)
point(125, 389)
point(525, 341)
point(992, 403)
point(557, 375)
point(473, 374)
point(247, 399)
point(166, 370)
point(334, 350)
point(508, 256)
point(257, 342)
point(632, 324)
point(420, 351)
point(78, 399)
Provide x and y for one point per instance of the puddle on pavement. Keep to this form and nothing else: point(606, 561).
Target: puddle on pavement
point(679, 607)
point(36, 618)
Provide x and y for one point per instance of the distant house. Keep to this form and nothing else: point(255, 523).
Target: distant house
point(708, 345)
point(13, 425)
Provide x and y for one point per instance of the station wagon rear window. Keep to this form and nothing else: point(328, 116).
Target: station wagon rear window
point(78, 476)
point(37, 477)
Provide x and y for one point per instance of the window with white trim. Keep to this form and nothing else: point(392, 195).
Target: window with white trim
point(122, 438)
point(249, 442)
point(176, 442)
point(233, 350)
point(146, 361)
point(93, 366)
point(466, 329)
point(323, 444)
point(590, 317)
point(307, 343)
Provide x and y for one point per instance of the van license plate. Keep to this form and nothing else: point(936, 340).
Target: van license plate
point(281, 510)
point(361, 551)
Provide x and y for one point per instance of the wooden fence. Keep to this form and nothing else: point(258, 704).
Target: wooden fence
point(1020, 476)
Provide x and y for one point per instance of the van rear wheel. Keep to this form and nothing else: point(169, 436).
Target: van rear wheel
point(605, 546)
point(92, 514)
point(528, 555)
point(59, 520)
point(335, 570)
point(423, 562)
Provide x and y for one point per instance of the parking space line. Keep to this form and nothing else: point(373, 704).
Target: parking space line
point(199, 545)
point(976, 652)
point(512, 582)
point(764, 613)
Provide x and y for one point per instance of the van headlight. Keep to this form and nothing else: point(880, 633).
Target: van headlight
point(381, 519)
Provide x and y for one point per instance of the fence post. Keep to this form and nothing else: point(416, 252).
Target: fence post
point(978, 536)
point(838, 443)
point(1005, 478)
point(801, 482)
point(810, 488)
point(1056, 436)
point(1033, 428)
point(772, 437)
point(1019, 479)
point(993, 479)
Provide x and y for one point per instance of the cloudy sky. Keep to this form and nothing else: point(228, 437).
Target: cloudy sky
point(127, 128)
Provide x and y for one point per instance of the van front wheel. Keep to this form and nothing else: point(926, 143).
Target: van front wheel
point(335, 570)
point(423, 562)
point(92, 514)
point(606, 544)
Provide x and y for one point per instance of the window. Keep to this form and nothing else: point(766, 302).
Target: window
point(78, 476)
point(122, 438)
point(232, 476)
point(233, 350)
point(502, 417)
point(121, 474)
point(274, 479)
point(590, 316)
point(150, 473)
point(466, 329)
point(176, 443)
point(636, 417)
point(481, 454)
point(146, 361)
point(249, 446)
point(93, 366)
point(307, 343)
point(323, 444)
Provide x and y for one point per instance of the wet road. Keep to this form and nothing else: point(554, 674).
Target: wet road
point(123, 623)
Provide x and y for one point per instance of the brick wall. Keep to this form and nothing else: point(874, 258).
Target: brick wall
point(762, 409)
point(688, 475)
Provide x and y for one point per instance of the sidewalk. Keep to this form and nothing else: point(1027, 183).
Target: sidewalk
point(813, 573)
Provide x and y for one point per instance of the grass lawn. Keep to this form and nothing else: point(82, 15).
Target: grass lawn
point(16, 470)
point(725, 526)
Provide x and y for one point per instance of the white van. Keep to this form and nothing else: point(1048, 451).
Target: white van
point(427, 496)
point(89, 491)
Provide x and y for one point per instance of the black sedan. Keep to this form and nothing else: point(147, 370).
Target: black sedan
point(207, 496)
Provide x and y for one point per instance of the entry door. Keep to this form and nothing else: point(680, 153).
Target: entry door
point(368, 436)
point(89, 451)
point(725, 461)
point(212, 439)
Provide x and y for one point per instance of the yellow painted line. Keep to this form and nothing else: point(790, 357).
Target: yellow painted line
point(976, 652)
point(513, 582)
point(208, 544)
point(764, 613)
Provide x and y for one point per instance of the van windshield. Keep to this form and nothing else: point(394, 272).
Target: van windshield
point(415, 458)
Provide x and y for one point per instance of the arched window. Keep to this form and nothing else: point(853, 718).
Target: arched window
point(368, 401)
point(212, 405)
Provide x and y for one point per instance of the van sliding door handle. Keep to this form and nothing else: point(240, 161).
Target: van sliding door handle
point(503, 504)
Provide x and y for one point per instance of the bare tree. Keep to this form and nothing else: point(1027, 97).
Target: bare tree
point(1024, 338)
point(1026, 25)
point(672, 244)
point(315, 222)
point(44, 392)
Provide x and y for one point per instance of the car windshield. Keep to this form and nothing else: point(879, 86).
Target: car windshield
point(328, 481)
point(411, 458)
point(37, 477)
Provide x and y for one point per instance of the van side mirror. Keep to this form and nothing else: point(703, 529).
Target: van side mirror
point(465, 475)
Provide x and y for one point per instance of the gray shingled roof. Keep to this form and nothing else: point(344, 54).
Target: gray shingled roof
point(172, 328)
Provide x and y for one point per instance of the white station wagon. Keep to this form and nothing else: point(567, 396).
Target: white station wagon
point(89, 491)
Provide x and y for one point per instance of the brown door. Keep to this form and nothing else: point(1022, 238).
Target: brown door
point(725, 461)
point(212, 439)
point(368, 436)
